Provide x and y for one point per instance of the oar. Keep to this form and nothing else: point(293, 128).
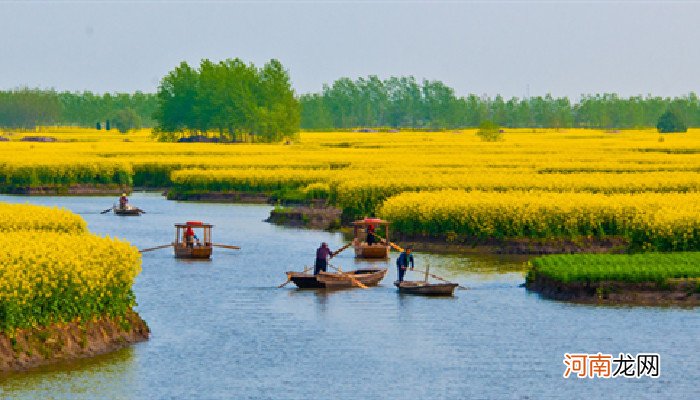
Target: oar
point(439, 278)
point(106, 211)
point(352, 279)
point(226, 246)
point(289, 278)
point(396, 247)
point(392, 244)
point(341, 249)
point(155, 248)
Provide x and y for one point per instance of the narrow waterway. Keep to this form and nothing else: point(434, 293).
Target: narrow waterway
point(222, 329)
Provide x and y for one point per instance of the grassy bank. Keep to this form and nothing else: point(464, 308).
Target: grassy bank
point(644, 279)
point(631, 268)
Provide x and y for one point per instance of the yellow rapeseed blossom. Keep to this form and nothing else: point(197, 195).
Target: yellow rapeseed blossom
point(358, 171)
point(53, 270)
point(668, 221)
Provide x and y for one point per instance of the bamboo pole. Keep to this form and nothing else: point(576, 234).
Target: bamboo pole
point(226, 246)
point(438, 278)
point(392, 244)
point(289, 277)
point(352, 278)
point(155, 248)
point(341, 249)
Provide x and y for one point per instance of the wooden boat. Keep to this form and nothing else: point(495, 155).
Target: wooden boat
point(378, 250)
point(426, 289)
point(128, 211)
point(333, 280)
point(194, 249)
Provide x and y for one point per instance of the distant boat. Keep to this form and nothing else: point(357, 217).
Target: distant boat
point(191, 246)
point(186, 247)
point(379, 249)
point(127, 211)
point(332, 280)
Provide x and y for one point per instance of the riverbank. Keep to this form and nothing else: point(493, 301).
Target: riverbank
point(220, 197)
point(523, 246)
point(310, 217)
point(317, 214)
point(677, 292)
point(87, 189)
point(644, 279)
point(29, 348)
point(331, 218)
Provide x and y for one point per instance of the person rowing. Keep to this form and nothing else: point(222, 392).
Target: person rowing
point(323, 253)
point(402, 263)
point(123, 202)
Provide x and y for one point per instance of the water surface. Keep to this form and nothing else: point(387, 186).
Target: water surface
point(222, 329)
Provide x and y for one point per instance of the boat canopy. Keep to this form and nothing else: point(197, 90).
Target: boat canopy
point(370, 221)
point(194, 224)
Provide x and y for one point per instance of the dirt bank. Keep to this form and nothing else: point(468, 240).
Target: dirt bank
point(69, 190)
point(312, 217)
point(330, 218)
point(678, 292)
point(221, 197)
point(28, 348)
point(510, 246)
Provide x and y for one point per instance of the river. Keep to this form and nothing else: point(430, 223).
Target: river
point(222, 329)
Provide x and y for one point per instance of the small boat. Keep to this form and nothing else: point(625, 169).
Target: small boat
point(188, 247)
point(426, 289)
point(127, 211)
point(332, 280)
point(377, 250)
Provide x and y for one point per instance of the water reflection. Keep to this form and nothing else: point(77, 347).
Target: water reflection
point(117, 372)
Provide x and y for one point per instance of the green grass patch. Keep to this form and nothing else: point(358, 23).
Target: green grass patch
point(633, 268)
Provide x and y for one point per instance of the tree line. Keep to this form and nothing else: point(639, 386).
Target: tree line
point(26, 108)
point(231, 99)
point(403, 102)
point(236, 101)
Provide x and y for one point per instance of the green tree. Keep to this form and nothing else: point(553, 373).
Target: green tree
point(235, 99)
point(278, 113)
point(489, 131)
point(126, 119)
point(27, 108)
point(670, 122)
point(176, 98)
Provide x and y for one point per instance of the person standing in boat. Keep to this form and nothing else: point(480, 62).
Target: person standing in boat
point(323, 253)
point(123, 201)
point(403, 262)
point(371, 239)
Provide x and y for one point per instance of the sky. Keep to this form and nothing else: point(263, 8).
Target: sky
point(512, 48)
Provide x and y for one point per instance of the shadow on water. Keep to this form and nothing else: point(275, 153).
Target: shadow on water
point(82, 376)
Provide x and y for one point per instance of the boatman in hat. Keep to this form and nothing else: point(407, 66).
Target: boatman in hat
point(402, 263)
point(123, 201)
point(323, 253)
